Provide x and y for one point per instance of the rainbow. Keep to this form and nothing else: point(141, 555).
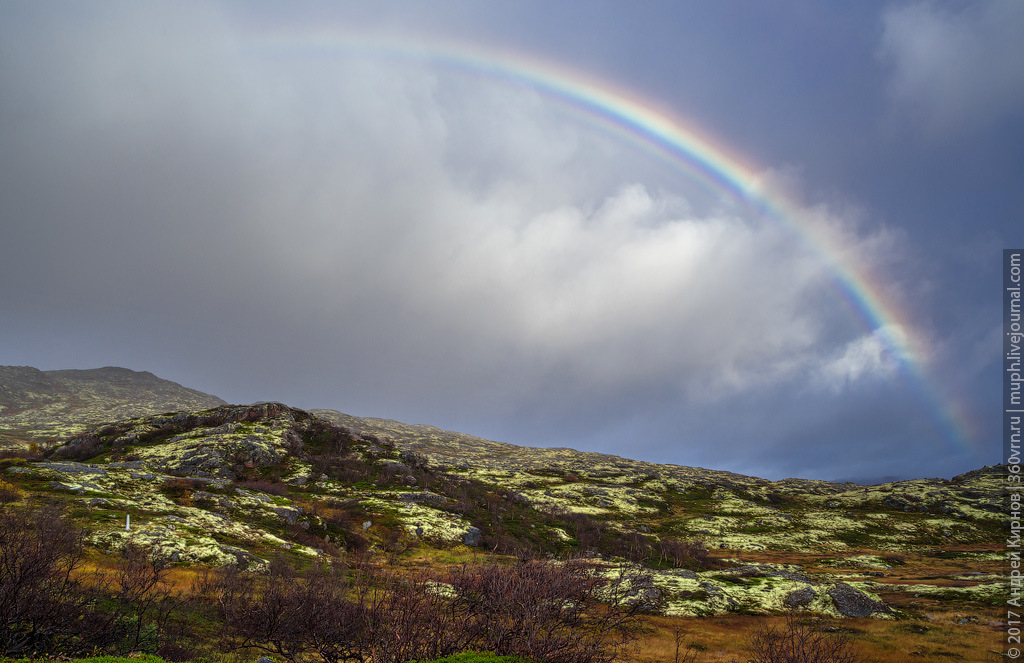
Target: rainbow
point(663, 134)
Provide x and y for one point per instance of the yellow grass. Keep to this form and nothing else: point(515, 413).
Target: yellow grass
point(724, 639)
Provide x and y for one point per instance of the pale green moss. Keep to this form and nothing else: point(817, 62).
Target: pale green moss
point(436, 524)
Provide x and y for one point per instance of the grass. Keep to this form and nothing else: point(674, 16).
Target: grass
point(478, 657)
point(724, 639)
point(136, 658)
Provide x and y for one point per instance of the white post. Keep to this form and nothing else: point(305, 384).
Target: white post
point(127, 522)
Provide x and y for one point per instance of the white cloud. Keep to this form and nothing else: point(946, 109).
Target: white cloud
point(952, 68)
point(868, 357)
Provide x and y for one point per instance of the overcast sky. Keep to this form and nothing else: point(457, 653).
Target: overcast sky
point(342, 205)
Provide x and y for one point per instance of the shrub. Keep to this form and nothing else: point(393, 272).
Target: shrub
point(561, 613)
point(81, 448)
point(278, 613)
point(47, 606)
point(691, 555)
point(40, 601)
point(31, 452)
point(895, 559)
point(264, 486)
point(180, 489)
point(8, 492)
point(798, 642)
point(140, 603)
point(558, 613)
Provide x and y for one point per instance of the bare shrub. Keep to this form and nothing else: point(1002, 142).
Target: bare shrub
point(691, 555)
point(341, 520)
point(689, 655)
point(279, 613)
point(559, 613)
point(633, 546)
point(31, 452)
point(799, 642)
point(48, 606)
point(588, 532)
point(40, 599)
point(180, 489)
point(80, 448)
point(141, 600)
point(895, 559)
point(412, 619)
point(547, 611)
point(264, 486)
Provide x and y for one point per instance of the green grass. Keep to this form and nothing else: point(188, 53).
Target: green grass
point(136, 658)
point(478, 657)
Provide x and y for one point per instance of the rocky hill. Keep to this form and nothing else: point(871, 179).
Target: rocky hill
point(246, 483)
point(39, 405)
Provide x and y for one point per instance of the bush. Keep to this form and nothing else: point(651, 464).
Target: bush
point(81, 448)
point(180, 489)
point(561, 613)
point(8, 492)
point(264, 486)
point(278, 613)
point(554, 612)
point(40, 601)
point(798, 642)
point(47, 606)
point(135, 658)
point(691, 555)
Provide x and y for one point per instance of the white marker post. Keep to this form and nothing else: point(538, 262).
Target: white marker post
point(127, 522)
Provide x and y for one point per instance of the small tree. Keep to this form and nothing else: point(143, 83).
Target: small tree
point(798, 642)
point(279, 613)
point(547, 611)
point(681, 656)
point(142, 601)
point(40, 600)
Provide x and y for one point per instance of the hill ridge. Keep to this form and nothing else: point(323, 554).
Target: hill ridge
point(38, 405)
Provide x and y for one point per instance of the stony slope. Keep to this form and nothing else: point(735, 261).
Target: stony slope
point(248, 482)
point(467, 452)
point(216, 483)
point(38, 405)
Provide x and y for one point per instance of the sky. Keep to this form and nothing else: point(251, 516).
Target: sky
point(758, 237)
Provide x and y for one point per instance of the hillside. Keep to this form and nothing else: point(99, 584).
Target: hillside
point(202, 486)
point(463, 452)
point(39, 405)
point(230, 483)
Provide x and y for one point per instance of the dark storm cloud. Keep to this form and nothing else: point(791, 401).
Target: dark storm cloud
point(392, 239)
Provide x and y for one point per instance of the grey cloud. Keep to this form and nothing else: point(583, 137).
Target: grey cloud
point(955, 68)
point(397, 240)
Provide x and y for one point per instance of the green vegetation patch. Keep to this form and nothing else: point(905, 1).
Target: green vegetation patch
point(134, 658)
point(478, 657)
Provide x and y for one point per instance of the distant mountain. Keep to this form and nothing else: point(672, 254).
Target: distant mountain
point(38, 405)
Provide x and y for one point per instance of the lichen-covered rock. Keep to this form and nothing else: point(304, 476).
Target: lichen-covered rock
point(73, 468)
point(800, 598)
point(69, 487)
point(425, 496)
point(289, 514)
point(471, 537)
point(851, 602)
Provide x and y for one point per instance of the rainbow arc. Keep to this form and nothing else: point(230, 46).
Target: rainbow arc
point(660, 132)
